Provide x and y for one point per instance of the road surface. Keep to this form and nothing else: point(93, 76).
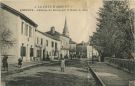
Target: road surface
point(75, 74)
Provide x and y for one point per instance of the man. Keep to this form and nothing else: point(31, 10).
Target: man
point(5, 63)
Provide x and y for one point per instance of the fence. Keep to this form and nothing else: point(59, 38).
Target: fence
point(124, 64)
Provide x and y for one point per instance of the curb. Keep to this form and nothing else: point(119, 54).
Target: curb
point(23, 68)
point(29, 66)
point(97, 78)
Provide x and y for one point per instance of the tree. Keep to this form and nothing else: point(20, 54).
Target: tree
point(6, 40)
point(114, 35)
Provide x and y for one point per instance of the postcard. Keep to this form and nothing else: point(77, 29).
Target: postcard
point(67, 42)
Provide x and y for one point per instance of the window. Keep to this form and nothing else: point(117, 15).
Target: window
point(46, 42)
point(30, 31)
point(55, 45)
point(38, 53)
point(23, 51)
point(26, 31)
point(22, 27)
point(52, 44)
point(31, 52)
point(41, 41)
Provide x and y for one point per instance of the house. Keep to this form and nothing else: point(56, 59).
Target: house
point(46, 45)
point(64, 39)
point(72, 49)
point(30, 43)
point(21, 27)
point(84, 50)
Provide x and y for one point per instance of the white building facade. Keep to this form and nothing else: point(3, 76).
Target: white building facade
point(64, 40)
point(23, 32)
point(84, 50)
point(46, 45)
point(30, 43)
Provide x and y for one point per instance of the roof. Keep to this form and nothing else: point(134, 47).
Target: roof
point(83, 44)
point(48, 35)
point(6, 7)
point(55, 35)
point(64, 35)
point(72, 42)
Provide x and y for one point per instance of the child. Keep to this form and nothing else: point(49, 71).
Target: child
point(19, 62)
point(62, 65)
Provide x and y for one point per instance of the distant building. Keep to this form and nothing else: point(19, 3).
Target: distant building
point(72, 49)
point(64, 39)
point(84, 50)
point(53, 44)
point(46, 45)
point(81, 50)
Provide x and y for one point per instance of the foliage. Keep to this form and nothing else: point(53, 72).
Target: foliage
point(114, 35)
point(6, 40)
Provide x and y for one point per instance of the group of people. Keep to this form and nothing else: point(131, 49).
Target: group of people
point(5, 62)
point(20, 60)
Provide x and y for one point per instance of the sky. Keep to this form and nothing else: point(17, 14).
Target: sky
point(81, 24)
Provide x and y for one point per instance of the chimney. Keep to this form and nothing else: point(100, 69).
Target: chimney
point(52, 29)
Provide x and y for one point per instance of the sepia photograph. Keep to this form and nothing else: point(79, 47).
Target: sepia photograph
point(67, 42)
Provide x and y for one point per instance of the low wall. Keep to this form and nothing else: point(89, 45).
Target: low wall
point(124, 64)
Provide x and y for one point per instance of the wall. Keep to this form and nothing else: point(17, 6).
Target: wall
point(40, 45)
point(64, 45)
point(50, 50)
point(89, 52)
point(11, 22)
point(81, 51)
point(14, 23)
point(26, 40)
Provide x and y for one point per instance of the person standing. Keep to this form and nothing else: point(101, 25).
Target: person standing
point(62, 65)
point(5, 62)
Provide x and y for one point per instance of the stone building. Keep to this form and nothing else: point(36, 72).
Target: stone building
point(30, 43)
point(72, 49)
point(21, 27)
point(46, 45)
point(64, 39)
point(84, 50)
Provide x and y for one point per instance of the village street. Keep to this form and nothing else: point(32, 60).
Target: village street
point(75, 74)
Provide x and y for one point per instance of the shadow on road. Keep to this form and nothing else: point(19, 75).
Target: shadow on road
point(49, 79)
